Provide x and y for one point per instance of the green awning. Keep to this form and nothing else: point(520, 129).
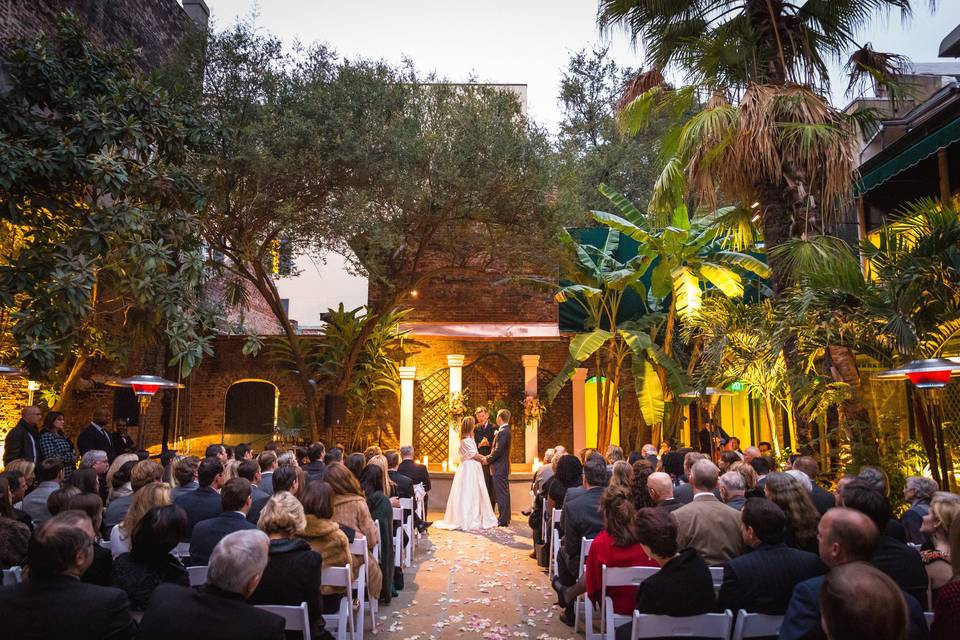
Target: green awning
point(909, 157)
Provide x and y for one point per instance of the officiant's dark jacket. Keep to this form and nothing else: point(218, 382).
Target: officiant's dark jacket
point(416, 472)
point(482, 431)
point(581, 519)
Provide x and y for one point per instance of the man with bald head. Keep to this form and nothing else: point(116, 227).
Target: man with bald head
point(845, 536)
point(660, 487)
point(23, 441)
point(95, 436)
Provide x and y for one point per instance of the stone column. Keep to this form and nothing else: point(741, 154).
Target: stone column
point(407, 377)
point(455, 362)
point(531, 428)
point(579, 409)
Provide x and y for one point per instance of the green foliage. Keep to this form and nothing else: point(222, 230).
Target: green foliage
point(107, 253)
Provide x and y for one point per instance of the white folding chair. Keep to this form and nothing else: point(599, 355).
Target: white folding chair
point(756, 625)
point(544, 521)
point(342, 621)
point(398, 538)
point(708, 625)
point(12, 575)
point(581, 604)
point(406, 507)
point(294, 618)
point(198, 575)
point(182, 550)
point(554, 541)
point(616, 577)
point(929, 616)
point(359, 548)
point(716, 574)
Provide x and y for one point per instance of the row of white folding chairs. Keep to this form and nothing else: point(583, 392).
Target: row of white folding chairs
point(297, 618)
point(359, 548)
point(408, 508)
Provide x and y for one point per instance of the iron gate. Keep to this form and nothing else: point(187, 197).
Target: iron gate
point(430, 414)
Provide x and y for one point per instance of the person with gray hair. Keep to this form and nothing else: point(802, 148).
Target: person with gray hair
point(918, 492)
point(706, 524)
point(91, 459)
point(803, 478)
point(732, 490)
point(235, 568)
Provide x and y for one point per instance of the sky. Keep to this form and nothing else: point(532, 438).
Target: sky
point(510, 41)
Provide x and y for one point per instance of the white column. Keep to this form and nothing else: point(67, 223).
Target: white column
point(455, 362)
point(579, 409)
point(407, 377)
point(532, 428)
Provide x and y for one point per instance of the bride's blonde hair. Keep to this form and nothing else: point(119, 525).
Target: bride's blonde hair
point(466, 426)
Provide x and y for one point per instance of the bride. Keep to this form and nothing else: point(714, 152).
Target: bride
point(468, 506)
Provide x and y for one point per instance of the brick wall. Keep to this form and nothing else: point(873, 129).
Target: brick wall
point(154, 27)
point(462, 297)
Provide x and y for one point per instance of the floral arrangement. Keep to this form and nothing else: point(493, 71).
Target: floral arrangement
point(532, 409)
point(457, 405)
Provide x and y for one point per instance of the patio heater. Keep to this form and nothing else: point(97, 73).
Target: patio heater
point(712, 396)
point(144, 387)
point(930, 376)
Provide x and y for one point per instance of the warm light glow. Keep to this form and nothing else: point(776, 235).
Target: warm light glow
point(536, 464)
point(755, 205)
point(426, 460)
point(443, 465)
point(414, 293)
point(33, 385)
point(931, 379)
point(145, 389)
point(756, 218)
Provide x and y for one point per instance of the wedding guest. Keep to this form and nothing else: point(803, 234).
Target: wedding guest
point(150, 496)
point(217, 451)
point(918, 492)
point(235, 501)
point(802, 517)
point(149, 562)
point(204, 502)
point(50, 474)
point(143, 473)
point(621, 475)
point(420, 475)
point(671, 463)
point(268, 464)
point(220, 606)
point(732, 490)
point(350, 509)
point(762, 465)
point(660, 488)
point(185, 476)
point(230, 470)
point(684, 492)
point(822, 499)
point(95, 436)
point(243, 451)
point(285, 478)
point(376, 488)
point(936, 525)
point(614, 455)
point(401, 484)
point(91, 505)
point(749, 479)
point(727, 458)
point(371, 451)
point(355, 462)
point(55, 444)
point(122, 442)
point(23, 441)
point(27, 471)
point(87, 479)
point(640, 492)
point(314, 468)
point(118, 487)
point(946, 618)
point(99, 462)
point(683, 586)
point(334, 454)
point(569, 473)
point(326, 538)
point(14, 535)
point(16, 490)
point(859, 601)
point(53, 603)
point(649, 453)
point(706, 524)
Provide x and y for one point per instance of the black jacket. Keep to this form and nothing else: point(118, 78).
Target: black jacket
point(202, 504)
point(314, 470)
point(903, 564)
point(91, 439)
point(21, 443)
point(482, 431)
point(404, 485)
point(178, 612)
point(140, 577)
point(762, 580)
point(682, 587)
point(670, 504)
point(823, 500)
point(292, 576)
point(416, 472)
point(209, 532)
point(100, 569)
point(581, 519)
point(64, 607)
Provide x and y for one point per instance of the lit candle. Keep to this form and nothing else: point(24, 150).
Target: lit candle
point(443, 465)
point(426, 460)
point(536, 464)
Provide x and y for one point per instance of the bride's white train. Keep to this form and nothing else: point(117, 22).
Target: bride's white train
point(468, 506)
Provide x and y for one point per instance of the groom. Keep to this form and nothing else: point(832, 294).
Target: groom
point(499, 461)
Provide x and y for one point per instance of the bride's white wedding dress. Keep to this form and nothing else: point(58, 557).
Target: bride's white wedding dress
point(468, 506)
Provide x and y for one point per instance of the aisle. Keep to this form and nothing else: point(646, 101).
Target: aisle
point(475, 585)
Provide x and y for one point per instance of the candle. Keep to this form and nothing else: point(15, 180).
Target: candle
point(426, 460)
point(443, 465)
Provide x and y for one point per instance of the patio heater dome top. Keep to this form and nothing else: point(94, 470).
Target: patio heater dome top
point(145, 385)
point(932, 373)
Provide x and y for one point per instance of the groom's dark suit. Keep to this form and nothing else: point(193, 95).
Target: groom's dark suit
point(499, 462)
point(486, 430)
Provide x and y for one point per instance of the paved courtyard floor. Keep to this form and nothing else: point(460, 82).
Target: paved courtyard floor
point(475, 585)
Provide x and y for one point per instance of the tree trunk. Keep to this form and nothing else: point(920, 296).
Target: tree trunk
point(843, 368)
point(772, 419)
point(69, 381)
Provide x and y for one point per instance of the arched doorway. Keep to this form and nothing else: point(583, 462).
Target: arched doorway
point(251, 411)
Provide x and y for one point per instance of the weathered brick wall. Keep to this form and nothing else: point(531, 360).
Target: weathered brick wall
point(154, 27)
point(462, 297)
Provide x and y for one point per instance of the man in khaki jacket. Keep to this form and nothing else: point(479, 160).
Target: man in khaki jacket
point(706, 524)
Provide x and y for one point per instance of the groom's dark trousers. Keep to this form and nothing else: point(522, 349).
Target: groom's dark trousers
point(499, 461)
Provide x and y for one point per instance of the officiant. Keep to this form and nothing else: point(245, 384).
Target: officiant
point(483, 434)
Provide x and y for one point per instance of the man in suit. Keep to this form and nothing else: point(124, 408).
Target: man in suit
point(762, 466)
point(122, 442)
point(483, 434)
point(684, 493)
point(235, 568)
point(53, 603)
point(268, 464)
point(314, 468)
point(185, 473)
point(284, 479)
point(732, 490)
point(203, 503)
point(823, 500)
point(660, 487)
point(419, 474)
point(845, 536)
point(499, 462)
point(762, 580)
point(142, 474)
point(649, 453)
point(95, 436)
point(404, 484)
point(706, 524)
point(23, 441)
point(50, 475)
point(235, 501)
point(250, 469)
point(580, 518)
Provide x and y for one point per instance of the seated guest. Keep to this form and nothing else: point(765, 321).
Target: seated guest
point(99, 462)
point(935, 525)
point(154, 494)
point(220, 606)
point(335, 454)
point(845, 536)
point(732, 489)
point(204, 502)
point(821, 498)
point(268, 465)
point(621, 474)
point(683, 586)
point(568, 474)
point(355, 462)
point(143, 473)
point(789, 494)
point(859, 601)
point(419, 474)
point(217, 451)
point(86, 479)
point(284, 479)
point(53, 603)
point(326, 538)
point(660, 488)
point(918, 492)
point(706, 524)
point(684, 492)
point(749, 479)
point(118, 479)
point(640, 492)
point(376, 487)
point(314, 468)
point(185, 476)
point(762, 580)
point(50, 475)
point(350, 509)
point(17, 488)
point(762, 465)
point(946, 619)
point(402, 484)
point(14, 535)
point(617, 545)
point(292, 574)
point(250, 470)
point(99, 570)
point(235, 501)
point(671, 463)
point(893, 557)
point(149, 561)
